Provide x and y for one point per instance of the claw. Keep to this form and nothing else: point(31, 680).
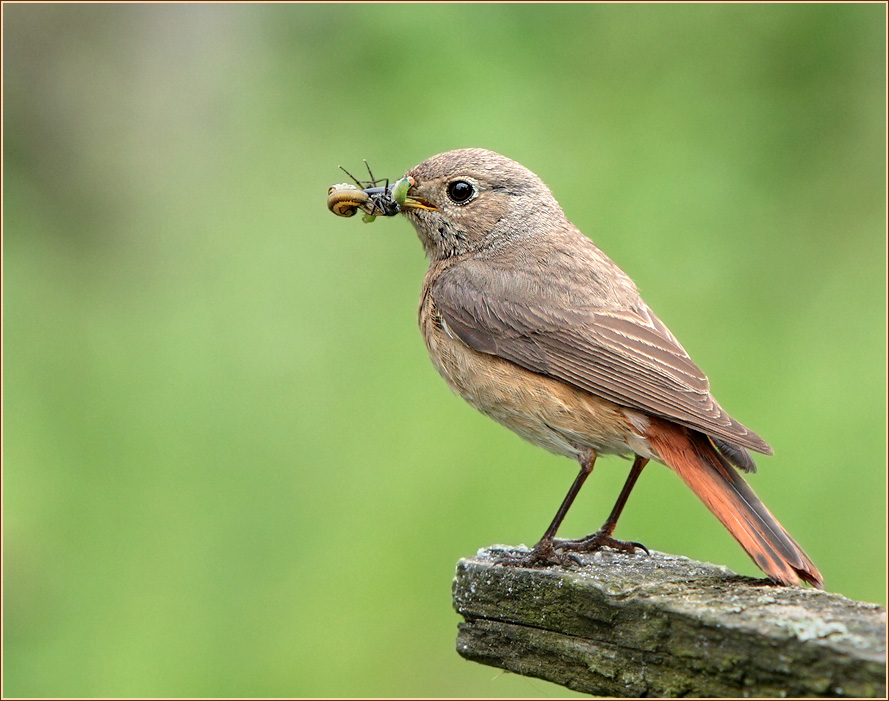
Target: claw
point(598, 541)
point(641, 547)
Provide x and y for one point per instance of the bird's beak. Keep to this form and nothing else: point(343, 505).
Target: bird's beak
point(416, 203)
point(412, 202)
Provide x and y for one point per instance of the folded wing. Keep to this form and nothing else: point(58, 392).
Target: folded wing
point(625, 355)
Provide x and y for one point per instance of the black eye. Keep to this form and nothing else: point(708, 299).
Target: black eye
point(460, 191)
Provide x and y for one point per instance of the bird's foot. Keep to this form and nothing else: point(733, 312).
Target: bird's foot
point(542, 554)
point(597, 541)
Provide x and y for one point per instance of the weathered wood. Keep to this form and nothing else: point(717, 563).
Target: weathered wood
point(634, 625)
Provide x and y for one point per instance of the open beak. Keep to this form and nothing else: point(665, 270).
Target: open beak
point(409, 202)
point(400, 193)
point(417, 203)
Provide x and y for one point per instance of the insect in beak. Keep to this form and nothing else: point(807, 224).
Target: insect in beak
point(345, 199)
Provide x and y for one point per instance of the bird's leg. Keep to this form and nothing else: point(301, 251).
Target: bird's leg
point(544, 552)
point(602, 538)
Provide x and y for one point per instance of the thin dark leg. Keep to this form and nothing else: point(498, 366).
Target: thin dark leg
point(586, 467)
point(611, 522)
point(544, 552)
point(602, 537)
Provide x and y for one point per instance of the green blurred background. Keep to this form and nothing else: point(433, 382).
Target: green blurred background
point(229, 467)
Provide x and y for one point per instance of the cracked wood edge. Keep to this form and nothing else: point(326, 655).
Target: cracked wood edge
point(633, 625)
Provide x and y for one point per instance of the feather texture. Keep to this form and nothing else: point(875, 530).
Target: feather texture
point(626, 355)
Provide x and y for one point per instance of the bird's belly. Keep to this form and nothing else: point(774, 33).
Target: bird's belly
point(552, 414)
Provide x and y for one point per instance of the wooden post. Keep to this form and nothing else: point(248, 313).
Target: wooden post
point(634, 625)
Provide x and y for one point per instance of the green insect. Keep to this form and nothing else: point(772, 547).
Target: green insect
point(399, 191)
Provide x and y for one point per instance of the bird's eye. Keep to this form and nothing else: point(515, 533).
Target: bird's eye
point(460, 191)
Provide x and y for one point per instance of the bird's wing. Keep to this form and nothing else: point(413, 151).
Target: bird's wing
point(625, 355)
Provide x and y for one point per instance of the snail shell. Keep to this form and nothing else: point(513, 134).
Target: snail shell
point(344, 199)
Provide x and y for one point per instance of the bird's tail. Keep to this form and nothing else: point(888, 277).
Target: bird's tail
point(709, 475)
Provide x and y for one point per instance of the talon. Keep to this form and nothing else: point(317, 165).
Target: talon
point(641, 547)
point(576, 559)
point(598, 541)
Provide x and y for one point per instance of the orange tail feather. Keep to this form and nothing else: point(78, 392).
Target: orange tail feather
point(692, 456)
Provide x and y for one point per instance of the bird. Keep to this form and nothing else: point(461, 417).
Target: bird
point(533, 325)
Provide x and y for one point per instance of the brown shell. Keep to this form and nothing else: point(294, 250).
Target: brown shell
point(345, 200)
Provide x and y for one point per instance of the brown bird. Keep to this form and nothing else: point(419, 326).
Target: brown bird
point(528, 321)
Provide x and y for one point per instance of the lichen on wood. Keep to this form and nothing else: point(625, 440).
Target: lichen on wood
point(663, 625)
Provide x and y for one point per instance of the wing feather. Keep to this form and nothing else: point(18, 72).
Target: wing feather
point(626, 355)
